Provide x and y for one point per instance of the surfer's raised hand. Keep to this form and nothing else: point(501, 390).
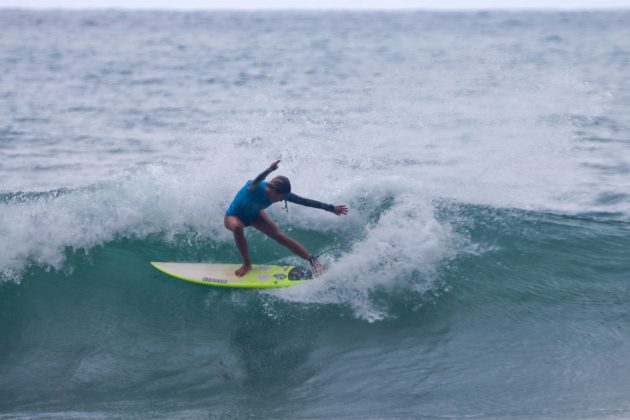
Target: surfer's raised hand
point(341, 209)
point(263, 175)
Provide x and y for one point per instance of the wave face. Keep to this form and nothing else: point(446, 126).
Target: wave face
point(482, 270)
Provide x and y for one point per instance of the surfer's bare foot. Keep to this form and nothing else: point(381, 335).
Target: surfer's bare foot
point(318, 270)
point(243, 270)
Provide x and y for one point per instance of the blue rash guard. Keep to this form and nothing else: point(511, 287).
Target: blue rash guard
point(247, 204)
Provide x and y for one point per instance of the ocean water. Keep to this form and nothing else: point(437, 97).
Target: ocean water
point(482, 270)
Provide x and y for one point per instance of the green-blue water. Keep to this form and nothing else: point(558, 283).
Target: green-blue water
point(483, 268)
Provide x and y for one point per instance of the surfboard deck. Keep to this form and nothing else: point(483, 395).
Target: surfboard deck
point(222, 275)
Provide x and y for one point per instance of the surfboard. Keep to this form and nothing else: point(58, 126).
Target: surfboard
point(222, 275)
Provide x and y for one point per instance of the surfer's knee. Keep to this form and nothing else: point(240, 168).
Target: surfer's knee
point(234, 224)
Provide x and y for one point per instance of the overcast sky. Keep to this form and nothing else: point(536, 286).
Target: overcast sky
point(320, 4)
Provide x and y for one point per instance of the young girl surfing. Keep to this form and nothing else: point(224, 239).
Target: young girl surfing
point(247, 209)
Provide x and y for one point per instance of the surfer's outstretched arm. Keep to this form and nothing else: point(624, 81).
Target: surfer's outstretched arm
point(338, 210)
point(263, 175)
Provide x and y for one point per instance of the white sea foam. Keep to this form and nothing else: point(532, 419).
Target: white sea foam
point(398, 250)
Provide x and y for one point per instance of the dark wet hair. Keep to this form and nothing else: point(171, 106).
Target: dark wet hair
point(280, 184)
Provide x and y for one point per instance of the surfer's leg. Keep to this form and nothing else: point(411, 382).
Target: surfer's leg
point(237, 227)
point(264, 224)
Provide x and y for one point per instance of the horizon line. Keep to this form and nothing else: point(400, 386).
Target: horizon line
point(321, 9)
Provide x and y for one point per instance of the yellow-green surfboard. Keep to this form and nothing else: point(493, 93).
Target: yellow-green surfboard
point(222, 275)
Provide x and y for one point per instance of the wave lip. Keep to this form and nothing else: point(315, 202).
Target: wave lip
point(41, 228)
point(399, 251)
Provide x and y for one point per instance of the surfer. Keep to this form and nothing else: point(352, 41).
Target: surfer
point(247, 209)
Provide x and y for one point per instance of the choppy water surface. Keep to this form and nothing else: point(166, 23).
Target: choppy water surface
point(483, 269)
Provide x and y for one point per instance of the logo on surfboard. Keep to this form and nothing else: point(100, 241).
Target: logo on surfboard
point(210, 280)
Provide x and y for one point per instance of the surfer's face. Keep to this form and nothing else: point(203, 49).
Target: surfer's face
point(273, 195)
